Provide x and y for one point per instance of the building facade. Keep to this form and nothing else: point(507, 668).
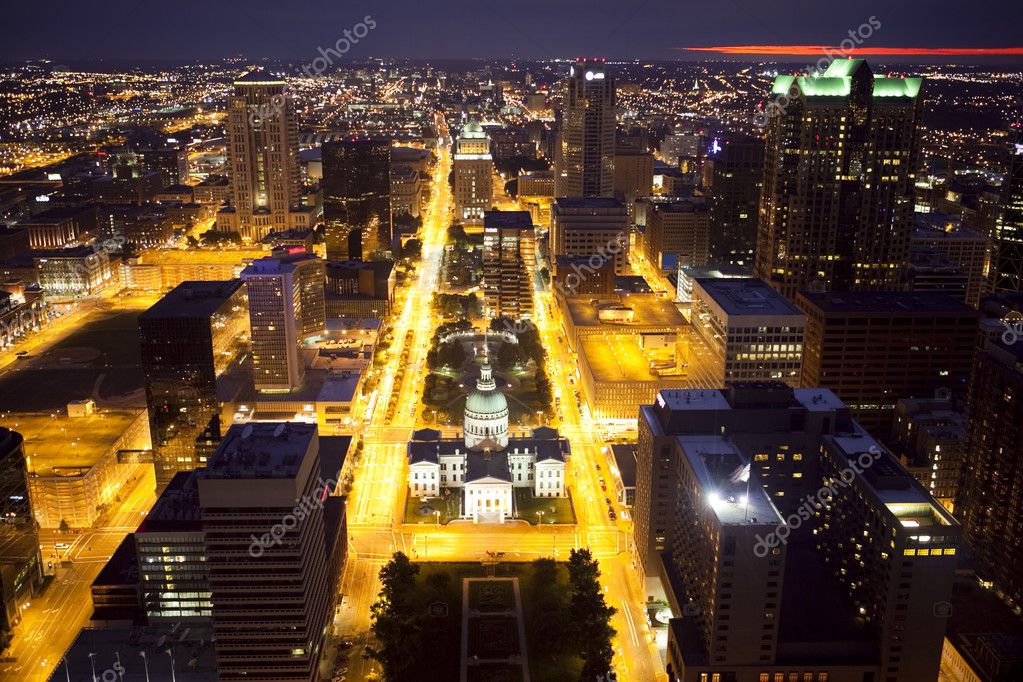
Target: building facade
point(509, 263)
point(262, 150)
point(474, 174)
point(677, 232)
point(836, 211)
point(187, 340)
point(597, 229)
point(357, 198)
point(585, 155)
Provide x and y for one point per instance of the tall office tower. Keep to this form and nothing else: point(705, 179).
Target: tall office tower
point(1008, 252)
point(743, 330)
point(597, 229)
point(262, 500)
point(990, 502)
point(262, 149)
point(21, 564)
point(187, 339)
point(474, 174)
point(584, 162)
point(836, 211)
point(677, 231)
point(286, 307)
point(174, 581)
point(509, 259)
point(736, 179)
point(357, 197)
point(771, 493)
point(875, 348)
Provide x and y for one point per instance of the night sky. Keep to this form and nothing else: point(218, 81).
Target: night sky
point(651, 29)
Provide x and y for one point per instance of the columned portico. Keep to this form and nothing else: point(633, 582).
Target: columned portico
point(488, 496)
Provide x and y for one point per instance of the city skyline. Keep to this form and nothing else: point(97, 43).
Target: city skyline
point(657, 29)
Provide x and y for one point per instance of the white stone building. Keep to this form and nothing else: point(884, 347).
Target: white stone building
point(486, 464)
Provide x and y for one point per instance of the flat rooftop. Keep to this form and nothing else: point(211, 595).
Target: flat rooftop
point(69, 445)
point(818, 399)
point(616, 358)
point(519, 220)
point(891, 302)
point(261, 450)
point(193, 299)
point(719, 468)
point(648, 310)
point(744, 296)
point(576, 203)
point(694, 399)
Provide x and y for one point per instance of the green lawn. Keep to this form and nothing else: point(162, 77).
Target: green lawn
point(449, 508)
point(555, 509)
point(445, 631)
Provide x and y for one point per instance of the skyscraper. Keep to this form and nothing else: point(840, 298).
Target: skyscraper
point(474, 174)
point(271, 550)
point(262, 149)
point(776, 494)
point(737, 177)
point(836, 211)
point(596, 229)
point(509, 253)
point(286, 306)
point(1008, 256)
point(990, 503)
point(187, 339)
point(585, 155)
point(357, 197)
point(21, 565)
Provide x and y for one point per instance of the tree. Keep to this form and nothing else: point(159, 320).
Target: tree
point(543, 390)
point(509, 356)
point(591, 616)
point(63, 527)
point(451, 354)
point(413, 249)
point(551, 607)
point(396, 624)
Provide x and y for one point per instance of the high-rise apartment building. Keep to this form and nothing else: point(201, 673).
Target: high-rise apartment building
point(633, 174)
point(262, 151)
point(509, 258)
point(929, 437)
point(762, 494)
point(357, 197)
point(286, 307)
point(474, 174)
point(875, 348)
point(1007, 267)
point(271, 551)
point(21, 564)
point(585, 155)
point(743, 330)
point(736, 179)
point(964, 249)
point(597, 229)
point(990, 503)
point(677, 231)
point(836, 211)
point(187, 339)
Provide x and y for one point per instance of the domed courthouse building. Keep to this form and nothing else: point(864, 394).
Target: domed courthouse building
point(486, 464)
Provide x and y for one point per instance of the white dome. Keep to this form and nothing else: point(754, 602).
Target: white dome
point(486, 414)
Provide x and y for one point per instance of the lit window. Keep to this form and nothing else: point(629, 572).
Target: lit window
point(909, 552)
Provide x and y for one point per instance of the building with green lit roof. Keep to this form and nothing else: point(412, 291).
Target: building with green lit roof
point(836, 211)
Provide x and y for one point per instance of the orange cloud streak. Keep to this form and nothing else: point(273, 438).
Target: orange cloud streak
point(812, 50)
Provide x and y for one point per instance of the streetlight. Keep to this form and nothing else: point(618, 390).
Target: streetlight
point(436, 512)
point(171, 654)
point(145, 663)
point(92, 662)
